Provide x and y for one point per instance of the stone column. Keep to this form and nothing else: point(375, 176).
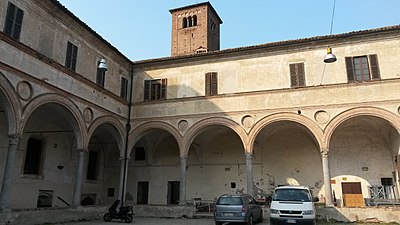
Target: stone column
point(182, 187)
point(123, 180)
point(8, 177)
point(327, 177)
point(249, 170)
point(76, 200)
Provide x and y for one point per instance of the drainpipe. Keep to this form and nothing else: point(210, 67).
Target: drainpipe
point(127, 129)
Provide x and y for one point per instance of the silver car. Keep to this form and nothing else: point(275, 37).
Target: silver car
point(237, 208)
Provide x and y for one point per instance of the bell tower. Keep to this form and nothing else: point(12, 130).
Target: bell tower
point(195, 29)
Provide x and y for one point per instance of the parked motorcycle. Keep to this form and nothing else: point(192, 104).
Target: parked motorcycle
point(124, 213)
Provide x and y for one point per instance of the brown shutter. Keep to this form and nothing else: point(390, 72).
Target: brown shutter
point(146, 91)
point(214, 83)
point(301, 74)
point(208, 84)
point(293, 77)
point(73, 59)
point(350, 69)
point(373, 60)
point(163, 88)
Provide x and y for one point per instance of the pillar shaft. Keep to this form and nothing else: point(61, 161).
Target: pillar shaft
point(76, 200)
point(327, 177)
point(249, 171)
point(123, 180)
point(8, 176)
point(182, 186)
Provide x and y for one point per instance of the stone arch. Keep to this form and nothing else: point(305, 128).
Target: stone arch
point(314, 129)
point(393, 119)
point(116, 125)
point(79, 125)
point(197, 127)
point(141, 130)
point(11, 103)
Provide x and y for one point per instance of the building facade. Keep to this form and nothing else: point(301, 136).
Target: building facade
point(194, 125)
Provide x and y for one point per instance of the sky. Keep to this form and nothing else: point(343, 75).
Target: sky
point(141, 29)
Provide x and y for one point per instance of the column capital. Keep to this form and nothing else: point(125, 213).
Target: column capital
point(248, 155)
point(13, 139)
point(123, 158)
point(324, 152)
point(183, 157)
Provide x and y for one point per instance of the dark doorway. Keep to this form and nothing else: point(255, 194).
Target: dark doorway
point(173, 192)
point(33, 156)
point(143, 192)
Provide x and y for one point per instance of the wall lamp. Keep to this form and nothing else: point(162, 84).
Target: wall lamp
point(103, 65)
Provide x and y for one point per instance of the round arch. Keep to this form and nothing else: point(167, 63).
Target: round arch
point(11, 103)
point(142, 129)
point(315, 130)
point(79, 125)
point(115, 124)
point(197, 127)
point(393, 119)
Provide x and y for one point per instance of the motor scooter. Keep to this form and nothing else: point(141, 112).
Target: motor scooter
point(124, 213)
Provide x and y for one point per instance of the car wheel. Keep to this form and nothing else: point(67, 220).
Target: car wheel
point(107, 217)
point(250, 222)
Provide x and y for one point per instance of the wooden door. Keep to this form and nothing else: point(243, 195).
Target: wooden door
point(352, 194)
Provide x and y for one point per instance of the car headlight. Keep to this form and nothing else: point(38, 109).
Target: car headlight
point(308, 212)
point(274, 211)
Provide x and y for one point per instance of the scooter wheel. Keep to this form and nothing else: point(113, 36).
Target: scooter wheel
point(107, 217)
point(128, 218)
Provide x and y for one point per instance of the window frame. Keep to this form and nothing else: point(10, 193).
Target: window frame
point(71, 56)
point(297, 75)
point(372, 64)
point(13, 21)
point(155, 89)
point(211, 83)
point(124, 88)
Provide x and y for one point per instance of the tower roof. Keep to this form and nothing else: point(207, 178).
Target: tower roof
point(196, 5)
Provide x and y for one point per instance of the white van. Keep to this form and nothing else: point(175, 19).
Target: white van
point(292, 205)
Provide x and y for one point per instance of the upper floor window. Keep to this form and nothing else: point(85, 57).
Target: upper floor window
point(13, 23)
point(155, 89)
point(140, 154)
point(33, 157)
point(190, 21)
point(362, 68)
point(124, 88)
point(297, 75)
point(100, 75)
point(72, 53)
point(211, 83)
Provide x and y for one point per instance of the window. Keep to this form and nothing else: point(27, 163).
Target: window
point(194, 20)
point(92, 166)
point(190, 21)
point(362, 68)
point(155, 89)
point(13, 23)
point(33, 156)
point(45, 198)
point(211, 83)
point(184, 23)
point(140, 154)
point(100, 76)
point(297, 76)
point(124, 88)
point(70, 59)
point(142, 192)
point(387, 181)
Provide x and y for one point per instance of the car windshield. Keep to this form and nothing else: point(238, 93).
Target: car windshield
point(300, 195)
point(229, 200)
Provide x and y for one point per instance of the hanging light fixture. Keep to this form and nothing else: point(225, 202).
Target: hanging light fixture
point(330, 57)
point(103, 65)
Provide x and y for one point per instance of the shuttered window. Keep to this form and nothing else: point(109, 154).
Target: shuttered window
point(297, 75)
point(211, 83)
point(70, 59)
point(124, 88)
point(13, 23)
point(362, 68)
point(100, 76)
point(155, 89)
